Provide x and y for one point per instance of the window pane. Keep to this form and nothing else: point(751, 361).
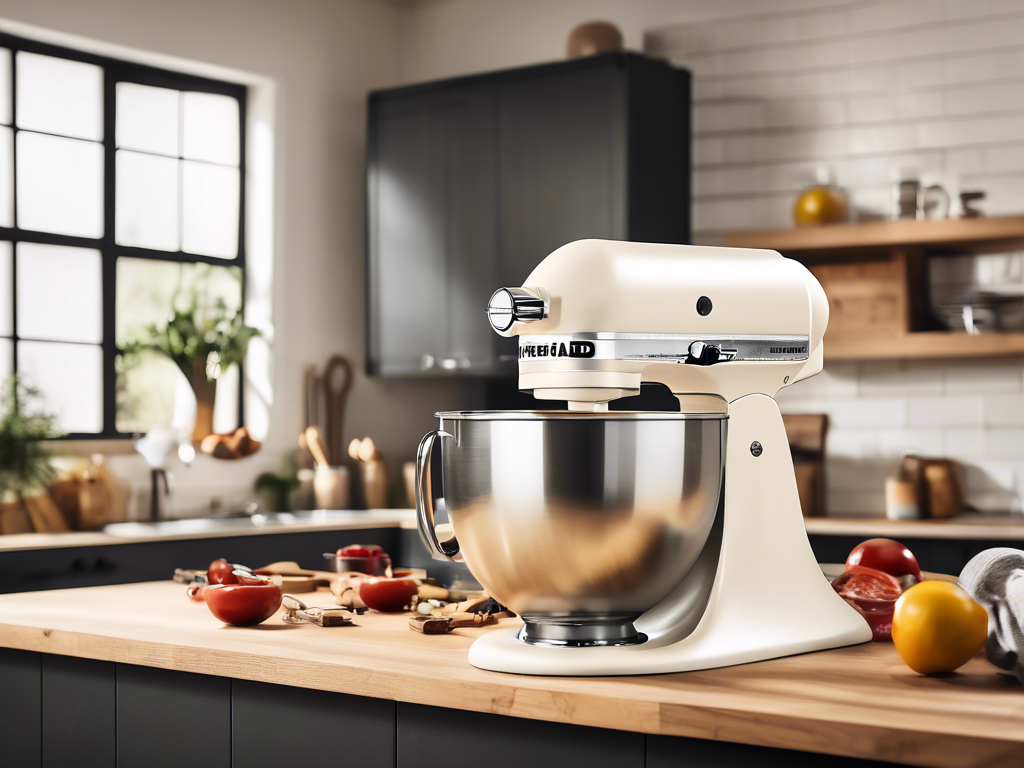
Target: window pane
point(6, 359)
point(6, 291)
point(60, 96)
point(60, 292)
point(5, 86)
point(147, 118)
point(70, 379)
point(151, 389)
point(210, 127)
point(147, 289)
point(210, 202)
point(60, 185)
point(147, 201)
point(6, 177)
point(147, 393)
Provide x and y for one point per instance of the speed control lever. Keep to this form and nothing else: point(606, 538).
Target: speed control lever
point(701, 353)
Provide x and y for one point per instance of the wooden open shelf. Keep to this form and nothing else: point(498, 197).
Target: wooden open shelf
point(926, 344)
point(876, 277)
point(842, 240)
point(986, 527)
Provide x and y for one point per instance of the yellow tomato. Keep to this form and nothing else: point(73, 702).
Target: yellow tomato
point(937, 627)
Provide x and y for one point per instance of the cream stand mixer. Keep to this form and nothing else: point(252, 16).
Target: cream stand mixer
point(634, 543)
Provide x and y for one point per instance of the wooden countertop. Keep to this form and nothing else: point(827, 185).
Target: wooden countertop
point(860, 701)
point(178, 530)
point(977, 526)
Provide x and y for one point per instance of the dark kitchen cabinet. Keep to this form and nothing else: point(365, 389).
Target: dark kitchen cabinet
point(472, 181)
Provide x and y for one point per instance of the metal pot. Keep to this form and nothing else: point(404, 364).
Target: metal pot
point(578, 522)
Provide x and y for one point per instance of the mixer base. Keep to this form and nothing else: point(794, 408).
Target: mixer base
point(580, 635)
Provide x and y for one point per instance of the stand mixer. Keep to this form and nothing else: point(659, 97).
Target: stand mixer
point(635, 543)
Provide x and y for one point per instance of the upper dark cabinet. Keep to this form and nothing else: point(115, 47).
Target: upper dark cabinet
point(472, 181)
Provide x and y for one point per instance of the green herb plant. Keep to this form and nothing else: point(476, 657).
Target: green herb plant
point(25, 467)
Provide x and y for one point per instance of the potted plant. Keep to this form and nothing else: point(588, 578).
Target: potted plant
point(25, 462)
point(203, 342)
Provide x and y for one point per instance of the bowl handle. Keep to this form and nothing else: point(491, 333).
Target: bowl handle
point(439, 550)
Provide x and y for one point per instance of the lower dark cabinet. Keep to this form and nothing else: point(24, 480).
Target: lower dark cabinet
point(78, 712)
point(435, 737)
point(675, 752)
point(170, 719)
point(275, 725)
point(60, 711)
point(20, 708)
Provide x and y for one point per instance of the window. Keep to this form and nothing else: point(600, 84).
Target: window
point(120, 185)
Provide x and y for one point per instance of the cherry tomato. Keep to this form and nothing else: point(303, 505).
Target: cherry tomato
point(885, 555)
point(195, 591)
point(243, 605)
point(387, 595)
point(937, 627)
point(872, 594)
point(221, 572)
point(361, 550)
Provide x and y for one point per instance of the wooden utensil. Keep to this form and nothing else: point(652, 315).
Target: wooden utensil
point(337, 381)
point(315, 443)
point(311, 397)
point(45, 514)
point(291, 578)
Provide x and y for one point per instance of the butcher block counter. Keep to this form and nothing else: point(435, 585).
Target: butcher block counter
point(171, 676)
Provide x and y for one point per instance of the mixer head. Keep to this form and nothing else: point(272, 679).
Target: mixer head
point(598, 317)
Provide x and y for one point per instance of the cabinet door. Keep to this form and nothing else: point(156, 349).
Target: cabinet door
point(407, 264)
point(432, 231)
point(563, 163)
point(471, 191)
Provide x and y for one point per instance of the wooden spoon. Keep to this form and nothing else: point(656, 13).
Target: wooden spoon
point(315, 443)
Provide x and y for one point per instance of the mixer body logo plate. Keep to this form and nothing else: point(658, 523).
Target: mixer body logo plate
point(662, 347)
point(563, 348)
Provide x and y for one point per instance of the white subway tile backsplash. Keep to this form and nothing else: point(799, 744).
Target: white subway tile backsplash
point(997, 501)
point(944, 412)
point(868, 87)
point(926, 442)
point(981, 377)
point(868, 412)
point(853, 443)
point(1004, 410)
point(981, 99)
point(903, 13)
point(897, 377)
point(1005, 443)
point(982, 476)
point(968, 9)
point(966, 443)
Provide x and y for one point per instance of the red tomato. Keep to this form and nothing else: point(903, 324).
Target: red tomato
point(243, 605)
point(361, 550)
point(221, 572)
point(387, 595)
point(885, 555)
point(873, 595)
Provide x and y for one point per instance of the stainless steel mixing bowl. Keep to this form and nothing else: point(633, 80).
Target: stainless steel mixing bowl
point(578, 522)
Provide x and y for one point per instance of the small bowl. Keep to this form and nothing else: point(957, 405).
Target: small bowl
point(373, 566)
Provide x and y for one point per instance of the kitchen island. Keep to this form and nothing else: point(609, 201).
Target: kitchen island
point(156, 679)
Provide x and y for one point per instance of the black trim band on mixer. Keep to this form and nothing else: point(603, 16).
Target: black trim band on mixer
point(665, 347)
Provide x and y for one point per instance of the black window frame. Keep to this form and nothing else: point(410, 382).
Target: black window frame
point(115, 71)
